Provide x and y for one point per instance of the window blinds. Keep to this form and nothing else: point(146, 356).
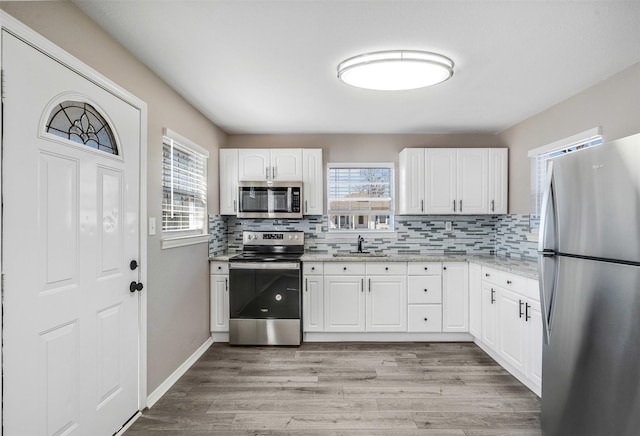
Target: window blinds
point(184, 188)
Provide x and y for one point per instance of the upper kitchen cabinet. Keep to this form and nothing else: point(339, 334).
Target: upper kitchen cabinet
point(270, 164)
point(312, 181)
point(228, 181)
point(445, 181)
point(498, 182)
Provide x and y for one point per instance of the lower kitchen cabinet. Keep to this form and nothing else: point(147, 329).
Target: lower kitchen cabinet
point(534, 334)
point(219, 287)
point(313, 298)
point(475, 300)
point(425, 318)
point(386, 304)
point(489, 316)
point(512, 341)
point(455, 297)
point(344, 304)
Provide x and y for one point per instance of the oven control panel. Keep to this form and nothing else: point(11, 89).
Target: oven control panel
point(273, 238)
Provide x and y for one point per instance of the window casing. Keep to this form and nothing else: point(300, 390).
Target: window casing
point(360, 197)
point(184, 187)
point(541, 156)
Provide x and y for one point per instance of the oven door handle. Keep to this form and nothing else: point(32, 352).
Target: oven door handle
point(264, 265)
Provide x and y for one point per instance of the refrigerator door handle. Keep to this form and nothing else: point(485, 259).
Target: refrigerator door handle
point(547, 259)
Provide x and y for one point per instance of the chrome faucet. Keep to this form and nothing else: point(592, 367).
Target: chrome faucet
point(360, 241)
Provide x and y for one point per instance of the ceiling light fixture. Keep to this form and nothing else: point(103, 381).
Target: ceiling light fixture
point(395, 70)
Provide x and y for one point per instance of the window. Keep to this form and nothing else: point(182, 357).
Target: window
point(184, 188)
point(82, 123)
point(360, 197)
point(541, 156)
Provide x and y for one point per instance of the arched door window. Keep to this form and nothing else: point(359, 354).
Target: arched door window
point(82, 123)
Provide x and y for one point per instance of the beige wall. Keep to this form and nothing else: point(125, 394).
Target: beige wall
point(613, 104)
point(178, 278)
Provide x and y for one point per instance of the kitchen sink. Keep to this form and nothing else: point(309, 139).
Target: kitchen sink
point(357, 254)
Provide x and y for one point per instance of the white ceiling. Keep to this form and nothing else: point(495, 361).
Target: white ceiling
point(270, 66)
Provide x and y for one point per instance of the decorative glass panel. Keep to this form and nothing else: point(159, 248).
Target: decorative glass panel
point(82, 123)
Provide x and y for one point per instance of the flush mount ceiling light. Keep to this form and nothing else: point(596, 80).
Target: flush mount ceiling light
point(395, 70)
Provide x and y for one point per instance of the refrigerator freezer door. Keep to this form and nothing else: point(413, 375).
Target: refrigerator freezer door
point(597, 200)
point(591, 370)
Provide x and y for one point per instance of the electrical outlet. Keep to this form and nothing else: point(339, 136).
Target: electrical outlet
point(447, 226)
point(152, 226)
point(318, 228)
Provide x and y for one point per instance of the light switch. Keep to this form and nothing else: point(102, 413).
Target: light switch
point(152, 226)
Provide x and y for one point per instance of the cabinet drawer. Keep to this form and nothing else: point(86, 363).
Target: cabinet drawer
point(425, 289)
point(344, 268)
point(219, 267)
point(505, 280)
point(425, 268)
point(312, 268)
point(386, 268)
point(425, 318)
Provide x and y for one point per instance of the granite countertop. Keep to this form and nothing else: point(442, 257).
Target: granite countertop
point(523, 267)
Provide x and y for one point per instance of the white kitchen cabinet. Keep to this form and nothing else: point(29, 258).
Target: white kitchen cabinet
point(498, 180)
point(313, 298)
point(412, 183)
point(455, 297)
point(386, 304)
point(512, 341)
point(489, 316)
point(344, 303)
point(424, 297)
point(475, 300)
point(228, 172)
point(440, 180)
point(312, 181)
point(472, 181)
point(445, 181)
point(219, 288)
point(270, 164)
point(534, 336)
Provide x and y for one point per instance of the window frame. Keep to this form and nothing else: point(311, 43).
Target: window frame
point(348, 233)
point(179, 238)
point(539, 161)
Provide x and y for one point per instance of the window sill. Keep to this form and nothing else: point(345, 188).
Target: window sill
point(181, 241)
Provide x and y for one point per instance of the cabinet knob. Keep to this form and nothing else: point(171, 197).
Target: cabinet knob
point(508, 282)
point(444, 267)
point(425, 290)
point(313, 268)
point(425, 268)
point(386, 268)
point(345, 268)
point(426, 319)
point(487, 274)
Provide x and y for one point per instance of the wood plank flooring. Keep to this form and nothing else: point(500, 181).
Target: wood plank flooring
point(449, 389)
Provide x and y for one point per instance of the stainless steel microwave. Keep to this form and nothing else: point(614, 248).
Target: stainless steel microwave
point(269, 200)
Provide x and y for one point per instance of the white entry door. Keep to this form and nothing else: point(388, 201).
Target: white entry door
point(71, 154)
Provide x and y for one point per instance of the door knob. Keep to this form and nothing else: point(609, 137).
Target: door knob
point(133, 265)
point(135, 286)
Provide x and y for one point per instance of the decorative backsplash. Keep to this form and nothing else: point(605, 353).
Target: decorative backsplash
point(503, 235)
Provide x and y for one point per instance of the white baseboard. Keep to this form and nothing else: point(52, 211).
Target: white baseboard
point(170, 381)
point(128, 424)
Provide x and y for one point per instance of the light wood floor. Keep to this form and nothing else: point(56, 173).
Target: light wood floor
point(345, 389)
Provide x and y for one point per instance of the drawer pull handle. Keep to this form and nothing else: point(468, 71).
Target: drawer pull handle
point(487, 274)
point(527, 317)
point(426, 319)
point(493, 293)
point(520, 303)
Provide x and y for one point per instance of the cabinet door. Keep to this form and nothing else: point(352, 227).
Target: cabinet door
point(312, 181)
point(512, 328)
point(412, 181)
point(472, 179)
point(440, 178)
point(534, 343)
point(425, 318)
point(219, 303)
point(455, 297)
point(228, 181)
point(344, 304)
point(312, 304)
point(498, 182)
point(286, 164)
point(386, 304)
point(475, 300)
point(254, 165)
point(489, 316)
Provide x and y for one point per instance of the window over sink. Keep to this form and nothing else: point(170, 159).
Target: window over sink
point(360, 197)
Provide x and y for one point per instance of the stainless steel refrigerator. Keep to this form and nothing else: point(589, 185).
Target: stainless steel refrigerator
point(589, 257)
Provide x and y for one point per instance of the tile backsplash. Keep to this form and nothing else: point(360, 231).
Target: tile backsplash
point(504, 235)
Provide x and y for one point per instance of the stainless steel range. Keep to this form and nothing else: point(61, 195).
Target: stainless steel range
point(265, 283)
